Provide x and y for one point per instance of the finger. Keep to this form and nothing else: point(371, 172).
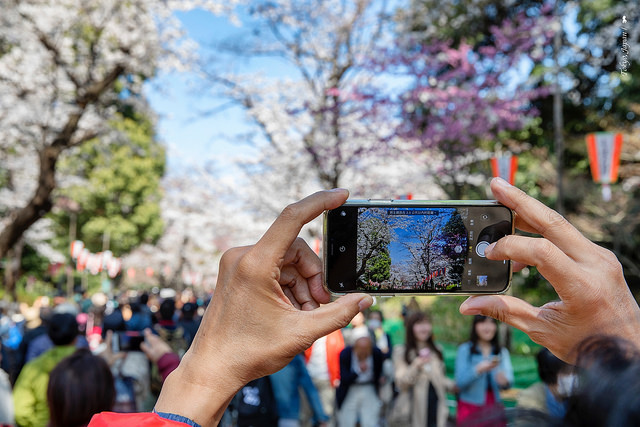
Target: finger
point(287, 292)
point(543, 220)
point(299, 287)
point(550, 261)
point(276, 241)
point(510, 310)
point(108, 339)
point(518, 266)
point(522, 225)
point(335, 315)
point(309, 266)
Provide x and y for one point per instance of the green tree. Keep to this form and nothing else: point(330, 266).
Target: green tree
point(378, 267)
point(120, 190)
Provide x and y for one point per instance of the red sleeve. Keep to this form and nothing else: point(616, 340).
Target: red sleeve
point(167, 364)
point(143, 419)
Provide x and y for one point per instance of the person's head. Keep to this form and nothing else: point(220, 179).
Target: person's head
point(419, 333)
point(554, 373)
point(167, 309)
point(188, 311)
point(143, 299)
point(375, 319)
point(80, 386)
point(63, 328)
point(484, 329)
point(362, 343)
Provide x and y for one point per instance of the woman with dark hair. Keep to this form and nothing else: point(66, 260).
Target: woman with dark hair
point(80, 386)
point(483, 368)
point(419, 374)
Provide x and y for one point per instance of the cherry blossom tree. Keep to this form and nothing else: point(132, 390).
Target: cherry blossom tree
point(63, 67)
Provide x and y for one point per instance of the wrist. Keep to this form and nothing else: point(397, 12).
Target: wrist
point(201, 396)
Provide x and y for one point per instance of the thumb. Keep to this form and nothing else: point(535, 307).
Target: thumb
point(510, 310)
point(335, 315)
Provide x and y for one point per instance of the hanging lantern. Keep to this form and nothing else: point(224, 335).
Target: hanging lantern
point(408, 196)
point(83, 259)
point(113, 267)
point(76, 248)
point(604, 158)
point(107, 256)
point(505, 167)
point(148, 271)
point(131, 272)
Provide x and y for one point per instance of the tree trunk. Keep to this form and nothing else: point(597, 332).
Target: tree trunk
point(37, 207)
point(12, 269)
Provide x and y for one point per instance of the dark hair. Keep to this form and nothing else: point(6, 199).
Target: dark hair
point(63, 328)
point(80, 386)
point(495, 345)
point(411, 345)
point(549, 366)
point(167, 309)
point(376, 312)
point(143, 298)
point(189, 310)
point(608, 386)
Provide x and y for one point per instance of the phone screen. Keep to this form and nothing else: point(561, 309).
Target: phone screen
point(129, 340)
point(415, 249)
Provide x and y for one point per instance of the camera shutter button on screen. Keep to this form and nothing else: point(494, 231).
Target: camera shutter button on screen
point(480, 247)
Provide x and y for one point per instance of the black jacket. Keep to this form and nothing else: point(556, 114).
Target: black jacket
point(348, 375)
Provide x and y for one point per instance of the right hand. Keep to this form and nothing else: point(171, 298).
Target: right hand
point(594, 297)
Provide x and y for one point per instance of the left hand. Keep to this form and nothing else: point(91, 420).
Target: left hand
point(502, 380)
point(154, 346)
point(265, 310)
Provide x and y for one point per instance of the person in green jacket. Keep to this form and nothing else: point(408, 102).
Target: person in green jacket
point(30, 390)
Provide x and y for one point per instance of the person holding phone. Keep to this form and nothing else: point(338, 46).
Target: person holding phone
point(483, 368)
point(269, 295)
point(420, 373)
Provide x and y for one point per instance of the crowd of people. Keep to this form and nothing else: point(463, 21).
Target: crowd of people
point(272, 330)
point(62, 372)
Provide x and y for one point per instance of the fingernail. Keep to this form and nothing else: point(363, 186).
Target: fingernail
point(365, 302)
point(470, 307)
point(501, 182)
point(338, 190)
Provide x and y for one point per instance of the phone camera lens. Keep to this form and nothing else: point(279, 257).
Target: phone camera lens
point(485, 216)
point(343, 213)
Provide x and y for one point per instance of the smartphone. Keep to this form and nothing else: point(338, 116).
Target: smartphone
point(401, 247)
point(127, 341)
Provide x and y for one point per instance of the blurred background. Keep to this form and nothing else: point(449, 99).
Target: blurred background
point(140, 140)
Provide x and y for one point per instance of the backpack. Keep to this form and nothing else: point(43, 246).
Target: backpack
point(257, 404)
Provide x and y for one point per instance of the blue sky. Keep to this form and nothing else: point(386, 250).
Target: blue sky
point(179, 99)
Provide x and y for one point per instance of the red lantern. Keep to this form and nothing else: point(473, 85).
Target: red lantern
point(604, 158)
point(505, 167)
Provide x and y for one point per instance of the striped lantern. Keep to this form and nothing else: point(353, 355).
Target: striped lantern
point(604, 158)
point(505, 167)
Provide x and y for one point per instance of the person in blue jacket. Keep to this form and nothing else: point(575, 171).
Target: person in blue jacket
point(483, 368)
point(285, 384)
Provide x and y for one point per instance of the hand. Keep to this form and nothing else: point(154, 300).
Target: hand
point(108, 355)
point(154, 346)
point(486, 366)
point(502, 380)
point(363, 366)
point(594, 297)
point(265, 310)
